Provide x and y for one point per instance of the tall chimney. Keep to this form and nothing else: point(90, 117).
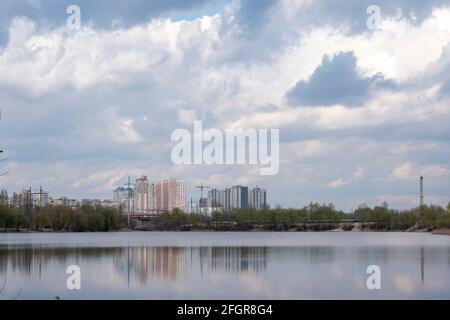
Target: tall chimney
point(421, 195)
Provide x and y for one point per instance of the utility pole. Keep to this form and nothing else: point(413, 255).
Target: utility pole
point(421, 197)
point(40, 196)
point(28, 206)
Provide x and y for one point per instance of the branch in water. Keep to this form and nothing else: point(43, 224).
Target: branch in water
point(3, 287)
point(20, 291)
point(5, 173)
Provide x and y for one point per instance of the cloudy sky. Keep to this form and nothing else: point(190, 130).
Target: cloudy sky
point(362, 112)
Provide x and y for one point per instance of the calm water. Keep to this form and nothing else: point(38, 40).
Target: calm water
point(208, 265)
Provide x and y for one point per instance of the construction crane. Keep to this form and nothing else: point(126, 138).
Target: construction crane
point(128, 184)
point(202, 202)
point(202, 187)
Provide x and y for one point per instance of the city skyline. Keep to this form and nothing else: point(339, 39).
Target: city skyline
point(148, 197)
point(254, 197)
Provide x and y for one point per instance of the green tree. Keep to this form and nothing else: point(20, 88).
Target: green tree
point(41, 220)
point(11, 219)
point(110, 218)
point(80, 221)
point(443, 221)
point(403, 220)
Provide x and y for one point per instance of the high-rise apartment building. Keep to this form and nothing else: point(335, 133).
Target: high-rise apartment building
point(18, 200)
point(214, 198)
point(165, 195)
point(141, 191)
point(257, 198)
point(239, 197)
point(39, 198)
point(180, 195)
point(225, 200)
point(4, 197)
point(158, 195)
point(123, 198)
point(170, 194)
point(151, 197)
point(30, 198)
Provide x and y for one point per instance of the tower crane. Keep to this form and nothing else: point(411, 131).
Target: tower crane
point(202, 187)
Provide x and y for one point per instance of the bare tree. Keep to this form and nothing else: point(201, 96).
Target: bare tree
point(3, 159)
point(3, 288)
point(2, 174)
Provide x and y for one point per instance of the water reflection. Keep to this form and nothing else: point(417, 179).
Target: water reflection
point(141, 263)
point(171, 263)
point(422, 266)
point(166, 263)
point(162, 271)
point(32, 260)
point(232, 259)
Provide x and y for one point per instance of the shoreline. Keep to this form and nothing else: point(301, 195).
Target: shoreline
point(441, 232)
point(338, 230)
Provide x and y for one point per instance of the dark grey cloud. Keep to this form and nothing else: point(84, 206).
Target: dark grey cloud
point(336, 81)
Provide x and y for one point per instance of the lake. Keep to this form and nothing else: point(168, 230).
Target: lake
point(224, 265)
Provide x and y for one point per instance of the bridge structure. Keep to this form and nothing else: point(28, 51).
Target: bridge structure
point(153, 215)
point(149, 215)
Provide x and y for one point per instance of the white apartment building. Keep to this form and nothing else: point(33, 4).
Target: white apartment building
point(141, 195)
point(257, 198)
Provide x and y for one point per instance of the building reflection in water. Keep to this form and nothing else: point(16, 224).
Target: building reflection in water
point(138, 263)
point(34, 259)
point(233, 259)
point(166, 263)
point(171, 263)
point(143, 263)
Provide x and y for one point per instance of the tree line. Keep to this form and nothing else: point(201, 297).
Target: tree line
point(85, 218)
point(314, 217)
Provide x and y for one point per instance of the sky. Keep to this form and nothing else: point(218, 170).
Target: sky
point(363, 112)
